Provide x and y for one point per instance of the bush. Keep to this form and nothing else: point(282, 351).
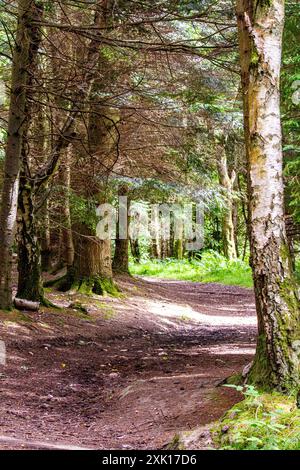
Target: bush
point(262, 421)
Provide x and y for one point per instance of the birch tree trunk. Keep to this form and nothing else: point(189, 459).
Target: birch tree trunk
point(13, 150)
point(29, 256)
point(277, 360)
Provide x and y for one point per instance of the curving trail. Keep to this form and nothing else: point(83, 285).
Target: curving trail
point(128, 375)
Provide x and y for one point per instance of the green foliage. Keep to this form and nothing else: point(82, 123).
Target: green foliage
point(297, 272)
point(83, 210)
point(212, 267)
point(290, 84)
point(292, 172)
point(261, 421)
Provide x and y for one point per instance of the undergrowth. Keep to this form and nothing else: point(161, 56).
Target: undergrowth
point(212, 267)
point(262, 421)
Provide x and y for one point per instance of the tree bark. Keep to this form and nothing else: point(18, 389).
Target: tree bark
point(46, 252)
point(135, 250)
point(178, 249)
point(91, 271)
point(277, 359)
point(13, 150)
point(22, 304)
point(29, 264)
point(67, 249)
point(92, 266)
point(30, 285)
point(228, 228)
point(121, 259)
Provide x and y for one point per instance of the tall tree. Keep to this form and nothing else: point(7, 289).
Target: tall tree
point(227, 181)
point(15, 131)
point(277, 359)
point(121, 258)
point(29, 265)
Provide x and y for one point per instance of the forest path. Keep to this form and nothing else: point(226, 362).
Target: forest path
point(128, 375)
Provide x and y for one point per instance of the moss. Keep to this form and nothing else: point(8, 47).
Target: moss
point(260, 372)
point(92, 285)
point(104, 286)
point(262, 421)
point(84, 286)
point(76, 314)
point(254, 59)
point(47, 303)
point(235, 379)
point(286, 339)
point(14, 315)
point(108, 313)
point(263, 5)
point(289, 291)
point(78, 306)
point(175, 443)
point(87, 286)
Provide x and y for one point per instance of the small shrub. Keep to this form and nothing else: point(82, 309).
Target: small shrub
point(262, 421)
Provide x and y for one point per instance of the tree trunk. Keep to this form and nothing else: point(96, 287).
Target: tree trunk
point(120, 261)
point(164, 248)
point(135, 250)
point(277, 359)
point(29, 264)
point(155, 247)
point(228, 231)
point(46, 252)
point(178, 249)
point(30, 285)
point(92, 266)
point(13, 150)
point(30, 282)
point(155, 252)
point(91, 271)
point(178, 245)
point(67, 249)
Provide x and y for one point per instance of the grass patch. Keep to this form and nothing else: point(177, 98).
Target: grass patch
point(262, 421)
point(212, 267)
point(107, 312)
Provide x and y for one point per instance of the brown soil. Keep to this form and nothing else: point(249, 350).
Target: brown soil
point(129, 374)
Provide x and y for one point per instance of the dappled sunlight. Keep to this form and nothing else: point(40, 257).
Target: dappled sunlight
point(229, 349)
point(186, 313)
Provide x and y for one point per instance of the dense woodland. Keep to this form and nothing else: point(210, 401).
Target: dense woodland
point(165, 102)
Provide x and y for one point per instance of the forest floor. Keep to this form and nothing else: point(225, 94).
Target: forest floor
point(130, 373)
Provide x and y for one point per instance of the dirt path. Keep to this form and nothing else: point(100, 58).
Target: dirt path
point(128, 375)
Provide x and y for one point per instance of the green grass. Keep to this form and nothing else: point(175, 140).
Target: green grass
point(262, 421)
point(213, 267)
